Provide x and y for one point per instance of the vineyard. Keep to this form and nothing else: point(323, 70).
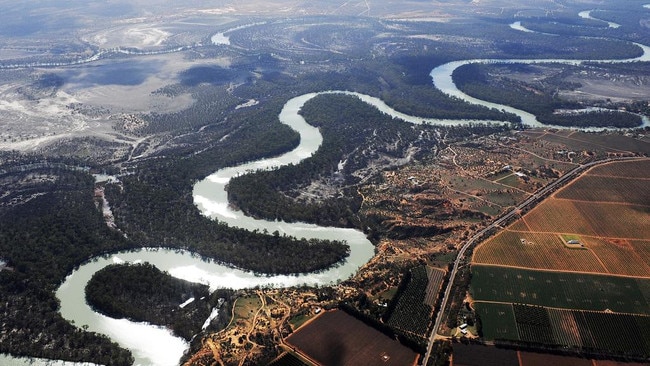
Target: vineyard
point(620, 256)
point(608, 208)
point(413, 310)
point(560, 289)
point(436, 278)
point(595, 332)
point(535, 250)
point(533, 323)
point(597, 188)
point(560, 216)
point(626, 169)
point(615, 220)
point(498, 320)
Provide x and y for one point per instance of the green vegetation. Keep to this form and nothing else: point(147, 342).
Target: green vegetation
point(359, 128)
point(567, 331)
point(408, 313)
point(142, 207)
point(41, 241)
point(299, 320)
point(560, 289)
point(142, 292)
point(498, 320)
point(474, 80)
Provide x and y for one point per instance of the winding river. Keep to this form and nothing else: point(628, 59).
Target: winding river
point(153, 345)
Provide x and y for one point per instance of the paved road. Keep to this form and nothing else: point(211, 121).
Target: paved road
point(530, 201)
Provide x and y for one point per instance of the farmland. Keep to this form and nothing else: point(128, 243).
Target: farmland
point(536, 250)
point(619, 334)
point(546, 280)
point(607, 208)
point(336, 338)
point(412, 312)
point(560, 289)
point(498, 320)
point(476, 355)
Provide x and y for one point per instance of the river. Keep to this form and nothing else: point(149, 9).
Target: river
point(152, 345)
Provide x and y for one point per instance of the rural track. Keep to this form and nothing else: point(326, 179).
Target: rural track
point(532, 200)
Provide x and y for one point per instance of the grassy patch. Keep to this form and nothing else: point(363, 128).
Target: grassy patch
point(245, 307)
point(299, 320)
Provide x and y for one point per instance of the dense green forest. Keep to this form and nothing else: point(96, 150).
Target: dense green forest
point(43, 237)
point(142, 292)
point(474, 80)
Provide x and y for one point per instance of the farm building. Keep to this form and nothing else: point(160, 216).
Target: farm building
point(337, 338)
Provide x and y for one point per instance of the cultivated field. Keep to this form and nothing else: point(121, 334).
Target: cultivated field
point(336, 338)
point(414, 308)
point(540, 359)
point(607, 210)
point(621, 334)
point(565, 290)
point(498, 320)
point(536, 250)
point(475, 355)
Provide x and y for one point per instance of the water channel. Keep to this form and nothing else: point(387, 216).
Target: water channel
point(152, 345)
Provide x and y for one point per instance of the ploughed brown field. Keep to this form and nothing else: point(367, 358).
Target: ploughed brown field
point(337, 338)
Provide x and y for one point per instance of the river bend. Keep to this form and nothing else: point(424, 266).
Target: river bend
point(153, 345)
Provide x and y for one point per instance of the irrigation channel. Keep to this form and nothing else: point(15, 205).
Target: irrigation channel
point(153, 345)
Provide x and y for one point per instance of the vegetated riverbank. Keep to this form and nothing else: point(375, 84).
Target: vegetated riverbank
point(142, 292)
point(46, 213)
point(540, 100)
point(148, 192)
point(359, 142)
point(172, 191)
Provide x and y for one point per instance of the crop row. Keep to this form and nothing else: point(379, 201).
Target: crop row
point(607, 189)
point(411, 313)
point(435, 277)
point(533, 323)
point(535, 250)
point(627, 169)
point(594, 332)
point(560, 289)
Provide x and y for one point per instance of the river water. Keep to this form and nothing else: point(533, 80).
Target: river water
point(152, 345)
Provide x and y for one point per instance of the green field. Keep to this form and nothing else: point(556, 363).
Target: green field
point(619, 334)
point(560, 289)
point(498, 321)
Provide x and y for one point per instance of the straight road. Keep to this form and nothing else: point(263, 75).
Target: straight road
point(530, 201)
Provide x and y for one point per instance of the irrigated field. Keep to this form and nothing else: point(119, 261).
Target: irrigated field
point(608, 209)
point(336, 338)
point(620, 334)
point(536, 250)
point(498, 320)
point(598, 188)
point(560, 289)
point(413, 311)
